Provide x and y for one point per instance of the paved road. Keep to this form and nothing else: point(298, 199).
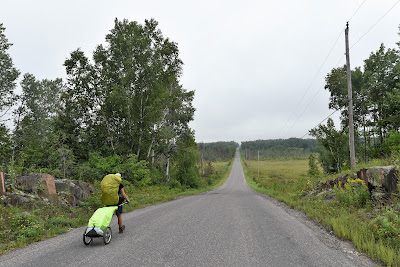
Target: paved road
point(230, 226)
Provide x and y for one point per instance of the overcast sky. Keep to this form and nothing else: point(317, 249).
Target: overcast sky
point(257, 67)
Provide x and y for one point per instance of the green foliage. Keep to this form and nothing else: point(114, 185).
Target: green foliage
point(353, 193)
point(376, 100)
point(217, 151)
point(5, 147)
point(387, 227)
point(208, 172)
point(279, 148)
point(313, 169)
point(208, 169)
point(392, 147)
point(34, 134)
point(129, 94)
point(105, 165)
point(86, 172)
point(8, 75)
point(132, 170)
point(25, 226)
point(136, 172)
point(127, 101)
point(185, 170)
point(393, 142)
point(174, 183)
point(333, 146)
point(61, 221)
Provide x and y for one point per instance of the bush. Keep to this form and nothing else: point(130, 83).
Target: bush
point(87, 173)
point(353, 193)
point(136, 172)
point(387, 228)
point(174, 183)
point(110, 164)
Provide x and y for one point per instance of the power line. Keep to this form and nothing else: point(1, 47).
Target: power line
point(350, 48)
point(343, 56)
point(312, 99)
point(316, 75)
point(321, 122)
point(319, 70)
point(336, 65)
point(356, 11)
point(375, 24)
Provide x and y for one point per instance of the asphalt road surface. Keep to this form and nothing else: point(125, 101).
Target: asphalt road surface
point(229, 226)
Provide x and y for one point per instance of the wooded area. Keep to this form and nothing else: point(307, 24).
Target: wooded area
point(279, 148)
point(376, 105)
point(124, 111)
point(217, 151)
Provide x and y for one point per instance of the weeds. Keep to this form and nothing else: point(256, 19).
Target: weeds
point(387, 228)
point(353, 193)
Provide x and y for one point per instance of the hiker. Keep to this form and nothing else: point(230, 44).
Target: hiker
point(113, 194)
point(122, 196)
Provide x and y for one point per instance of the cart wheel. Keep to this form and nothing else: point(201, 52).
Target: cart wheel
point(107, 235)
point(86, 239)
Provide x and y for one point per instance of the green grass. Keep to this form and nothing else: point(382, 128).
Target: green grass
point(20, 226)
point(288, 181)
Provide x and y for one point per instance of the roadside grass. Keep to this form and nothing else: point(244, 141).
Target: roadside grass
point(367, 227)
point(20, 226)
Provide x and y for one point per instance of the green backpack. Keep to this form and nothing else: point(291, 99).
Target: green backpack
point(109, 189)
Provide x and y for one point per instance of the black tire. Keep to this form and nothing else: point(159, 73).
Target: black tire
point(107, 235)
point(86, 239)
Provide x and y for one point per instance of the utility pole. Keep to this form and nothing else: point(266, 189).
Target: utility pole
point(258, 167)
point(350, 107)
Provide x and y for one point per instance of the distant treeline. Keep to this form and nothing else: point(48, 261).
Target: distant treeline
point(279, 148)
point(217, 151)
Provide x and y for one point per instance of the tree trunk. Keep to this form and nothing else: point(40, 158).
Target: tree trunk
point(150, 148)
point(139, 141)
point(167, 167)
point(110, 136)
point(365, 145)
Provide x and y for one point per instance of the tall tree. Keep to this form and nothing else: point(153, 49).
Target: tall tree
point(381, 74)
point(40, 102)
point(5, 146)
point(129, 100)
point(8, 75)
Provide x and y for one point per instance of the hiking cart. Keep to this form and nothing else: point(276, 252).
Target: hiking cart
point(99, 225)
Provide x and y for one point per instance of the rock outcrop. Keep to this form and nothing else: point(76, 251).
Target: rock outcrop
point(381, 182)
point(386, 177)
point(44, 187)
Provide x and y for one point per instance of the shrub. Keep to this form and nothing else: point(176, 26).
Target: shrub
point(312, 166)
point(174, 183)
point(87, 173)
point(387, 228)
point(110, 164)
point(353, 193)
point(136, 172)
